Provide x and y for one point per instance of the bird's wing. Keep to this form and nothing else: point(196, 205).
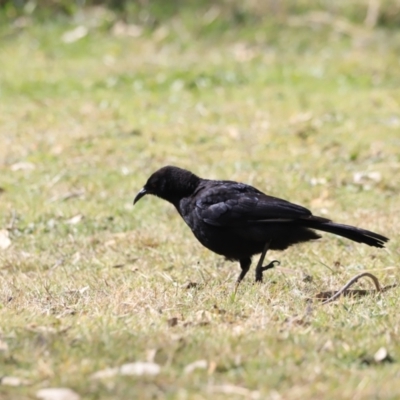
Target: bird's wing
point(234, 204)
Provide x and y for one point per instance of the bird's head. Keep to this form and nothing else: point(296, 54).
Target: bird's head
point(169, 183)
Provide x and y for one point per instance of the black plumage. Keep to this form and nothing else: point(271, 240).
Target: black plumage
point(238, 221)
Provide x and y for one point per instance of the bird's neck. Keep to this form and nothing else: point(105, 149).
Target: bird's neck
point(182, 188)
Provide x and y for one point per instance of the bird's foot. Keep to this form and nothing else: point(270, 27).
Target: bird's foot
point(261, 270)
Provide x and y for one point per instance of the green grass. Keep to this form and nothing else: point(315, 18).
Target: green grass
point(296, 109)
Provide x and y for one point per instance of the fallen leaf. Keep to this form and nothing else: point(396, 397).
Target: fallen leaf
point(84, 289)
point(125, 171)
point(301, 118)
point(363, 177)
point(318, 181)
point(57, 394)
point(105, 373)
point(233, 132)
point(137, 368)
point(203, 317)
point(140, 368)
point(5, 241)
point(75, 34)
point(199, 364)
point(75, 258)
point(75, 219)
point(328, 346)
point(172, 321)
point(3, 346)
point(382, 355)
point(22, 166)
point(13, 381)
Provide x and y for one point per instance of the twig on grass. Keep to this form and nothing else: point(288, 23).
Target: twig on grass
point(345, 289)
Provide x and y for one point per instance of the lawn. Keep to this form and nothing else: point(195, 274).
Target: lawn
point(114, 301)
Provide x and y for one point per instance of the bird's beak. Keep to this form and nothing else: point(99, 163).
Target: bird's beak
point(142, 193)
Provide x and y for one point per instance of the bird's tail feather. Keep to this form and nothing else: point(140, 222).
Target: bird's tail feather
point(351, 232)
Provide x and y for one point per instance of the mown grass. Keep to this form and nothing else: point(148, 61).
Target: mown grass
point(300, 108)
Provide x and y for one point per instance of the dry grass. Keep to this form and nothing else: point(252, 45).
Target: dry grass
point(308, 113)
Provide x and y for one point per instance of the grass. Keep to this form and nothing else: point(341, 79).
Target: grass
point(303, 110)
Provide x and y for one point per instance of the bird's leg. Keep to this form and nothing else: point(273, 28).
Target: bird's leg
point(260, 269)
point(245, 266)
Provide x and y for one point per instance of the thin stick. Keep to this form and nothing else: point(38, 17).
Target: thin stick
point(352, 281)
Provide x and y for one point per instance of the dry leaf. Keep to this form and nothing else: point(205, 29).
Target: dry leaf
point(125, 171)
point(203, 316)
point(199, 364)
point(328, 346)
point(13, 381)
point(382, 355)
point(300, 118)
point(172, 321)
point(233, 132)
point(22, 166)
point(363, 177)
point(140, 368)
point(75, 34)
point(57, 394)
point(366, 179)
point(137, 368)
point(75, 219)
point(3, 346)
point(5, 241)
point(105, 373)
point(318, 181)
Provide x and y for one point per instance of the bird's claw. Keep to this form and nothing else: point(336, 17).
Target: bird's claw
point(259, 271)
point(271, 265)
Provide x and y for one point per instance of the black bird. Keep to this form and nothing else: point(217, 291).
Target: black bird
point(238, 221)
